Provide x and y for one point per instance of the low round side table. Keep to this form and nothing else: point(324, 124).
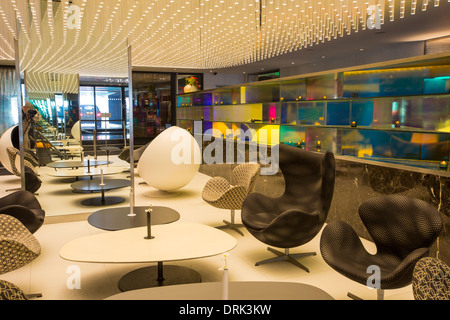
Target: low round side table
point(67, 164)
point(95, 186)
point(113, 219)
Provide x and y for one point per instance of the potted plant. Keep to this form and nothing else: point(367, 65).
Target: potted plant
point(192, 84)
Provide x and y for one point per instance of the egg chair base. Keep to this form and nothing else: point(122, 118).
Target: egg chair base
point(380, 295)
point(33, 295)
point(286, 256)
point(232, 225)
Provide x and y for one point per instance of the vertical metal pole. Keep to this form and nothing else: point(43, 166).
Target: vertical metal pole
point(380, 294)
point(95, 124)
point(173, 105)
point(79, 117)
point(95, 141)
point(160, 278)
point(131, 145)
point(20, 105)
point(149, 224)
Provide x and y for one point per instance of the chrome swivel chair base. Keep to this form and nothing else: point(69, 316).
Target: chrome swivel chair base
point(286, 256)
point(380, 295)
point(232, 225)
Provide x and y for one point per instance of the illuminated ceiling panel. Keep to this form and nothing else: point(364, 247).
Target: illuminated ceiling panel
point(91, 37)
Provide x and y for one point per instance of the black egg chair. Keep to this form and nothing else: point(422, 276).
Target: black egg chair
point(25, 207)
point(402, 229)
point(299, 214)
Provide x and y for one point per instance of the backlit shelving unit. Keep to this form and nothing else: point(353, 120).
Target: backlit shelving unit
point(388, 112)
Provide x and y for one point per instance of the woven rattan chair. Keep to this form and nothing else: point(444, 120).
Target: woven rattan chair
point(32, 181)
point(220, 193)
point(9, 291)
point(402, 229)
point(18, 246)
point(29, 161)
point(431, 280)
point(298, 215)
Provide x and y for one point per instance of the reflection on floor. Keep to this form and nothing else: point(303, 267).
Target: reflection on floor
point(66, 219)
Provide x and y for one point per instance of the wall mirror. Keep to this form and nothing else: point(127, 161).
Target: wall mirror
point(75, 87)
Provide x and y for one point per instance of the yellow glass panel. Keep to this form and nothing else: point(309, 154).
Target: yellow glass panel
point(269, 135)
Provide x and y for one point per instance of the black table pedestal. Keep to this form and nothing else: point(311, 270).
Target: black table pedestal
point(102, 201)
point(90, 186)
point(156, 276)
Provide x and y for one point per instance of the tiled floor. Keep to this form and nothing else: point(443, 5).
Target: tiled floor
point(66, 219)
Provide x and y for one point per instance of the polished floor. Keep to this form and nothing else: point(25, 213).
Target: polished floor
point(66, 219)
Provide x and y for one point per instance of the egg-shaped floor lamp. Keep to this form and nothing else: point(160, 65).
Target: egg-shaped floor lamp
point(171, 160)
point(76, 131)
point(10, 138)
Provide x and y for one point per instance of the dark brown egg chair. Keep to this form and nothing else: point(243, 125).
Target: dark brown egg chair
point(299, 214)
point(25, 207)
point(402, 229)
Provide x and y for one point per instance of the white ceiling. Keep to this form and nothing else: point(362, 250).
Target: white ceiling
point(221, 35)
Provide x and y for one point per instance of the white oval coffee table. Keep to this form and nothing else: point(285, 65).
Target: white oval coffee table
point(85, 172)
point(172, 242)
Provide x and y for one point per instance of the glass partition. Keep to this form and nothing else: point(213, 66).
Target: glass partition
point(102, 113)
point(10, 129)
point(80, 99)
point(9, 108)
point(152, 104)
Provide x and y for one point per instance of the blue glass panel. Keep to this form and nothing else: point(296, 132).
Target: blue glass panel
point(289, 113)
point(338, 113)
point(384, 83)
point(202, 99)
point(436, 85)
point(310, 113)
point(362, 112)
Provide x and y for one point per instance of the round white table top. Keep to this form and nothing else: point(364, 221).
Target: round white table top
point(173, 242)
point(85, 172)
point(245, 290)
point(70, 147)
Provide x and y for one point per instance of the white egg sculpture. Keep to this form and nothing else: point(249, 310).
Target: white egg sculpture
point(5, 142)
point(171, 160)
point(76, 131)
